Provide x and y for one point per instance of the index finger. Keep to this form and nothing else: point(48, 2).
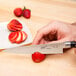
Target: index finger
point(38, 37)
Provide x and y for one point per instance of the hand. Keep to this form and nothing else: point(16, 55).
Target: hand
point(55, 31)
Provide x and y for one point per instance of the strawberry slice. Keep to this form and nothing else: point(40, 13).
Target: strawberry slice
point(14, 21)
point(19, 38)
point(13, 36)
point(10, 28)
point(16, 27)
point(24, 35)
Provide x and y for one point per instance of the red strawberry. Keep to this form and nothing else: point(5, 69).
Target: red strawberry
point(38, 57)
point(14, 25)
point(18, 12)
point(26, 13)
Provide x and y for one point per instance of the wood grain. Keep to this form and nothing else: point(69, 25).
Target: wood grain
point(43, 11)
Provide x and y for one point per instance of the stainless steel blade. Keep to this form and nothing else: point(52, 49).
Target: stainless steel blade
point(53, 48)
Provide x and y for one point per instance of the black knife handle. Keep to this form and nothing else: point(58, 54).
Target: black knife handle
point(70, 44)
point(73, 44)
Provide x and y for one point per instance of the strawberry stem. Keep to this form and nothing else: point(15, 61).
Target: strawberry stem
point(24, 8)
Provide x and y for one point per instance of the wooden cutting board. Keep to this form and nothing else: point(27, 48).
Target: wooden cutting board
point(43, 11)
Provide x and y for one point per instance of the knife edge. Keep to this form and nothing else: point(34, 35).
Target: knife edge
point(53, 48)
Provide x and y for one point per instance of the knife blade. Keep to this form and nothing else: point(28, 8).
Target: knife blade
point(53, 48)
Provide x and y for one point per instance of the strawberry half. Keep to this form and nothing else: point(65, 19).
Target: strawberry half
point(14, 25)
point(38, 57)
point(18, 12)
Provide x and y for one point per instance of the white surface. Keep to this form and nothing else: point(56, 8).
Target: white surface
point(4, 33)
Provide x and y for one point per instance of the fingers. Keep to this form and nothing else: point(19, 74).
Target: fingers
point(38, 38)
point(42, 41)
point(42, 37)
point(61, 40)
point(56, 30)
point(43, 32)
point(74, 24)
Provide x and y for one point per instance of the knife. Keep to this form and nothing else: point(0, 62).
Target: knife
point(52, 48)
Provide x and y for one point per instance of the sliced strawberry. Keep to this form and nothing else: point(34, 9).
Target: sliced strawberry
point(18, 40)
point(13, 36)
point(16, 28)
point(21, 36)
point(24, 35)
point(14, 21)
point(17, 37)
point(14, 25)
point(9, 27)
